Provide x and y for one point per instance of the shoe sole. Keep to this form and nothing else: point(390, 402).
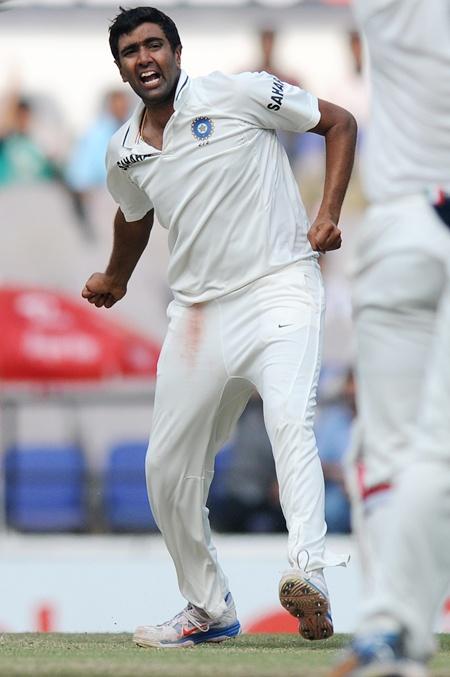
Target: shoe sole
point(219, 635)
point(304, 601)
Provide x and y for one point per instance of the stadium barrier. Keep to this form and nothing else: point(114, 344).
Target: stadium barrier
point(113, 583)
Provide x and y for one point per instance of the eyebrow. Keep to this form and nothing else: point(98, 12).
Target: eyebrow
point(134, 45)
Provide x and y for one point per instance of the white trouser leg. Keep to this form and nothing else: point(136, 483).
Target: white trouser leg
point(415, 568)
point(285, 371)
point(413, 575)
point(395, 308)
point(196, 406)
point(399, 276)
point(395, 304)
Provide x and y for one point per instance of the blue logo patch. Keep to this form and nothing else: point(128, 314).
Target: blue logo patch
point(202, 128)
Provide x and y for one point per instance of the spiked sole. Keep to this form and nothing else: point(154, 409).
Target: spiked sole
point(304, 601)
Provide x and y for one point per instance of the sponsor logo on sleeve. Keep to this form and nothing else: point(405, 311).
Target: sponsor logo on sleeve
point(277, 94)
point(126, 162)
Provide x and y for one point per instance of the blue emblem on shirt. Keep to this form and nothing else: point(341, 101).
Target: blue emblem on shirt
point(202, 128)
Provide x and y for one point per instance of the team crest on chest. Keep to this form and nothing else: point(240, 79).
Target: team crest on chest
point(202, 129)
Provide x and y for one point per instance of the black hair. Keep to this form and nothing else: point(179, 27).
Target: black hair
point(129, 19)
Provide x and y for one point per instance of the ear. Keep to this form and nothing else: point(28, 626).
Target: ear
point(178, 56)
point(120, 71)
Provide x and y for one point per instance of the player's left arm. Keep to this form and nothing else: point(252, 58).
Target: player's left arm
point(338, 127)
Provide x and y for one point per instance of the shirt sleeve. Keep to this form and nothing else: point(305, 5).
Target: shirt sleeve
point(269, 103)
point(133, 201)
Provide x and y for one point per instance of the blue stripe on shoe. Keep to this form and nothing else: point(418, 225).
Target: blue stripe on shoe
point(208, 636)
point(214, 633)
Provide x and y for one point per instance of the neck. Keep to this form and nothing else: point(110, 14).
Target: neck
point(154, 121)
point(157, 115)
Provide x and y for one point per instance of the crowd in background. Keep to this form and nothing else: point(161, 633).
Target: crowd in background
point(37, 150)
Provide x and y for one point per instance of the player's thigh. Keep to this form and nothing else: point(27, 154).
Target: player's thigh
point(289, 360)
point(395, 304)
point(190, 381)
point(190, 372)
point(434, 418)
point(409, 283)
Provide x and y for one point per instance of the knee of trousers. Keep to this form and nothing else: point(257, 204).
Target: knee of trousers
point(160, 472)
point(285, 430)
point(173, 493)
point(162, 478)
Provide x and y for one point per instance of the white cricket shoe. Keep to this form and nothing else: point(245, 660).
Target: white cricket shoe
point(305, 596)
point(191, 626)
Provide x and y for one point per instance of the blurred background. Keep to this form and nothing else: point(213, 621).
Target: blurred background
point(76, 383)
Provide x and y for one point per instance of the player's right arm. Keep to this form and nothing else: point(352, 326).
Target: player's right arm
point(132, 225)
point(130, 240)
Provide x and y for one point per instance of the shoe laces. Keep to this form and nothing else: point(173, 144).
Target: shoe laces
point(188, 616)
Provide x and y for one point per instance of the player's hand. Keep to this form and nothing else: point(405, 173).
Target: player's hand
point(324, 236)
point(102, 290)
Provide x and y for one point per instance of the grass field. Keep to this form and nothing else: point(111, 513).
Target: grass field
point(64, 655)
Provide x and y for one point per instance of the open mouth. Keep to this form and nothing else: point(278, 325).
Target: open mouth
point(150, 79)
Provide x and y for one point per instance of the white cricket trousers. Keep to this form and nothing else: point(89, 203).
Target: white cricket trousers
point(267, 336)
point(400, 258)
point(414, 569)
point(402, 319)
point(399, 280)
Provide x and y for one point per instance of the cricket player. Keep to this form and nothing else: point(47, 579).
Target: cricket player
point(203, 156)
point(402, 309)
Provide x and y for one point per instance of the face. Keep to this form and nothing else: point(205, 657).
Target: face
point(148, 63)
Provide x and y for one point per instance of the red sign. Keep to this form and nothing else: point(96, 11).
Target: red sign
point(47, 336)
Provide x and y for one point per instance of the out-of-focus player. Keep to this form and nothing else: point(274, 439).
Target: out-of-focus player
point(402, 310)
point(248, 300)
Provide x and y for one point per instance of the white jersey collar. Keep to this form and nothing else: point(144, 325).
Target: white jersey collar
point(131, 136)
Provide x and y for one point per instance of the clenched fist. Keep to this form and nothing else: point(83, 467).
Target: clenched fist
point(102, 290)
point(324, 235)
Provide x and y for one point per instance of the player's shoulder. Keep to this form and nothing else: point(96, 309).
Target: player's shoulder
point(218, 79)
point(212, 83)
point(221, 87)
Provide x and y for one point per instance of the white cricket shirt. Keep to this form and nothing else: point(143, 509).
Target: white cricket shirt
point(221, 184)
point(408, 144)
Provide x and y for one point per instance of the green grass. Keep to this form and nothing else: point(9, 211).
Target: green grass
point(67, 655)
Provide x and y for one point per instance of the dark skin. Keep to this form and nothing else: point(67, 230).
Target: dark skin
point(143, 51)
point(338, 127)
point(130, 240)
point(151, 67)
